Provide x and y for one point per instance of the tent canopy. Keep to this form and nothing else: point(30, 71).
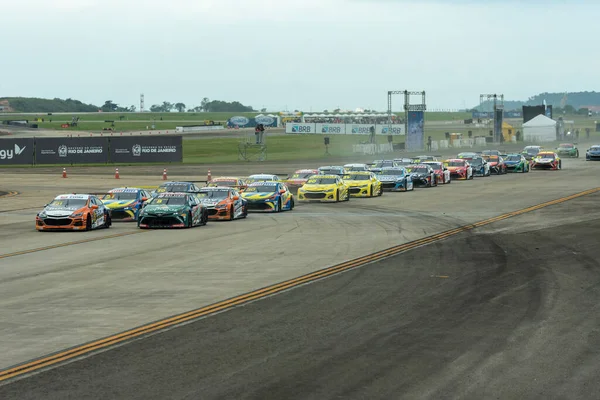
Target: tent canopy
point(539, 129)
point(540, 121)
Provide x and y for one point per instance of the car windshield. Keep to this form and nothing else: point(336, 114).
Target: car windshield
point(261, 189)
point(436, 165)
point(173, 188)
point(454, 164)
point(595, 148)
point(356, 168)
point(513, 157)
point(403, 163)
point(321, 181)
point(225, 182)
point(546, 155)
point(70, 203)
point(302, 175)
point(120, 196)
point(381, 164)
point(213, 194)
point(531, 150)
point(260, 179)
point(172, 201)
point(477, 161)
point(328, 171)
point(356, 177)
point(492, 158)
point(566, 146)
point(420, 169)
point(392, 171)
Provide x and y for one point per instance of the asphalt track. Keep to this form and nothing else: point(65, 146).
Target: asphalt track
point(479, 311)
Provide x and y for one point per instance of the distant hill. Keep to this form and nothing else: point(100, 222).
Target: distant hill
point(575, 99)
point(37, 105)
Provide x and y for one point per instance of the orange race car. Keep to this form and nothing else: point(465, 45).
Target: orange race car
point(223, 203)
point(299, 178)
point(76, 212)
point(229, 181)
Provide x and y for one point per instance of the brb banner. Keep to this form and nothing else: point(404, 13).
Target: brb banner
point(146, 149)
point(16, 151)
point(245, 122)
point(341, 129)
point(72, 150)
point(415, 134)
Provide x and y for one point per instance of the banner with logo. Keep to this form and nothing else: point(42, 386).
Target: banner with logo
point(330, 129)
point(131, 149)
point(16, 151)
point(71, 150)
point(245, 122)
point(415, 132)
point(293, 127)
point(393, 129)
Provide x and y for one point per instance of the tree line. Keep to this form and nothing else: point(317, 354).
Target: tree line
point(206, 105)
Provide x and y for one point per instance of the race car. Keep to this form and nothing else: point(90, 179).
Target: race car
point(125, 203)
point(547, 160)
point(403, 162)
point(516, 163)
point(356, 167)
point(299, 178)
point(395, 179)
point(73, 212)
point(567, 150)
point(324, 188)
point(228, 181)
point(377, 165)
point(593, 153)
point(491, 153)
point(176, 187)
point(332, 170)
point(363, 184)
point(423, 175)
point(441, 172)
point(262, 178)
point(480, 166)
point(467, 155)
point(459, 169)
point(269, 196)
point(422, 159)
point(529, 152)
point(496, 163)
point(173, 210)
point(223, 203)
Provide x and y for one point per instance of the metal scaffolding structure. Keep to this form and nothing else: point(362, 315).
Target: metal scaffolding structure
point(249, 150)
point(408, 106)
point(497, 100)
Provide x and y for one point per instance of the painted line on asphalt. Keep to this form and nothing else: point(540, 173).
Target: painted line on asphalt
point(78, 351)
point(9, 194)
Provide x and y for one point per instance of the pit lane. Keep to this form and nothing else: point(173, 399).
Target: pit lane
point(60, 292)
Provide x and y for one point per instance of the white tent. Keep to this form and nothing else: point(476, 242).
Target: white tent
point(539, 129)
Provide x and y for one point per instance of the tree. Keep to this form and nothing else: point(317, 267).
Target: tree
point(166, 106)
point(262, 110)
point(204, 104)
point(224, 106)
point(132, 108)
point(109, 106)
point(156, 108)
point(180, 107)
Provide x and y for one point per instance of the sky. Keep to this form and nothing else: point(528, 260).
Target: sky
point(308, 55)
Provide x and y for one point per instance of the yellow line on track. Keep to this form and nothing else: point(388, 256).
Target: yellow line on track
point(100, 344)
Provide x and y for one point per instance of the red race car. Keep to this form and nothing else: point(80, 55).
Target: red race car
point(442, 173)
point(496, 163)
point(299, 178)
point(459, 168)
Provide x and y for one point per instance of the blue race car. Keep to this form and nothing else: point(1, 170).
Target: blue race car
point(268, 196)
point(125, 203)
point(593, 153)
point(395, 179)
point(480, 166)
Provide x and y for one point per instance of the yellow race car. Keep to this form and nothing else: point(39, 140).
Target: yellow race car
point(363, 184)
point(324, 188)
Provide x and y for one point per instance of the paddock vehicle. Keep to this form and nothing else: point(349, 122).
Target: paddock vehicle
point(324, 188)
point(299, 178)
point(395, 179)
point(547, 160)
point(125, 203)
point(262, 178)
point(529, 152)
point(516, 163)
point(480, 166)
point(223, 203)
point(268, 196)
point(422, 175)
point(363, 184)
point(441, 172)
point(567, 150)
point(173, 210)
point(228, 181)
point(176, 187)
point(593, 153)
point(459, 169)
point(332, 170)
point(356, 167)
point(73, 212)
point(377, 165)
point(496, 163)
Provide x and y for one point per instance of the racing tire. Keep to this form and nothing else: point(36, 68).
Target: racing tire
point(278, 206)
point(292, 204)
point(88, 223)
point(107, 221)
point(472, 176)
point(371, 192)
point(577, 154)
point(231, 213)
point(190, 222)
point(380, 192)
point(245, 211)
point(204, 219)
point(337, 196)
point(559, 165)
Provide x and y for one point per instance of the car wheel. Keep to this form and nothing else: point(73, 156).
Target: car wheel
point(337, 195)
point(107, 221)
point(577, 154)
point(371, 191)
point(278, 205)
point(231, 213)
point(88, 223)
point(560, 164)
point(347, 198)
point(204, 217)
point(189, 222)
point(380, 193)
point(292, 204)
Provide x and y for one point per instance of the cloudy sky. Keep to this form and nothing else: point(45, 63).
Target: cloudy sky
point(297, 54)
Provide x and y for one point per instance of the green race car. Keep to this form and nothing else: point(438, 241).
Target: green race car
point(173, 210)
point(516, 163)
point(567, 150)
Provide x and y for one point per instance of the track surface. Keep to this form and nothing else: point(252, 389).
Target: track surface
point(57, 298)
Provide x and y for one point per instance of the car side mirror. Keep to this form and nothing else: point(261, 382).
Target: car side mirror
point(94, 207)
point(282, 191)
point(144, 199)
point(236, 197)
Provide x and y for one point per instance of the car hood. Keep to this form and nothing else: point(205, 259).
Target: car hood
point(164, 209)
point(257, 195)
point(456, 168)
point(317, 188)
point(512, 162)
point(61, 211)
point(544, 160)
point(211, 202)
point(112, 204)
point(357, 183)
point(390, 178)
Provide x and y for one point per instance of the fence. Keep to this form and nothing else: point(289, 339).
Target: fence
point(88, 150)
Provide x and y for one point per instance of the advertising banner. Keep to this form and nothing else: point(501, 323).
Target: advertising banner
point(359, 129)
point(71, 150)
point(498, 126)
point(245, 122)
point(146, 149)
point(16, 151)
point(330, 129)
point(415, 132)
point(293, 127)
point(384, 129)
